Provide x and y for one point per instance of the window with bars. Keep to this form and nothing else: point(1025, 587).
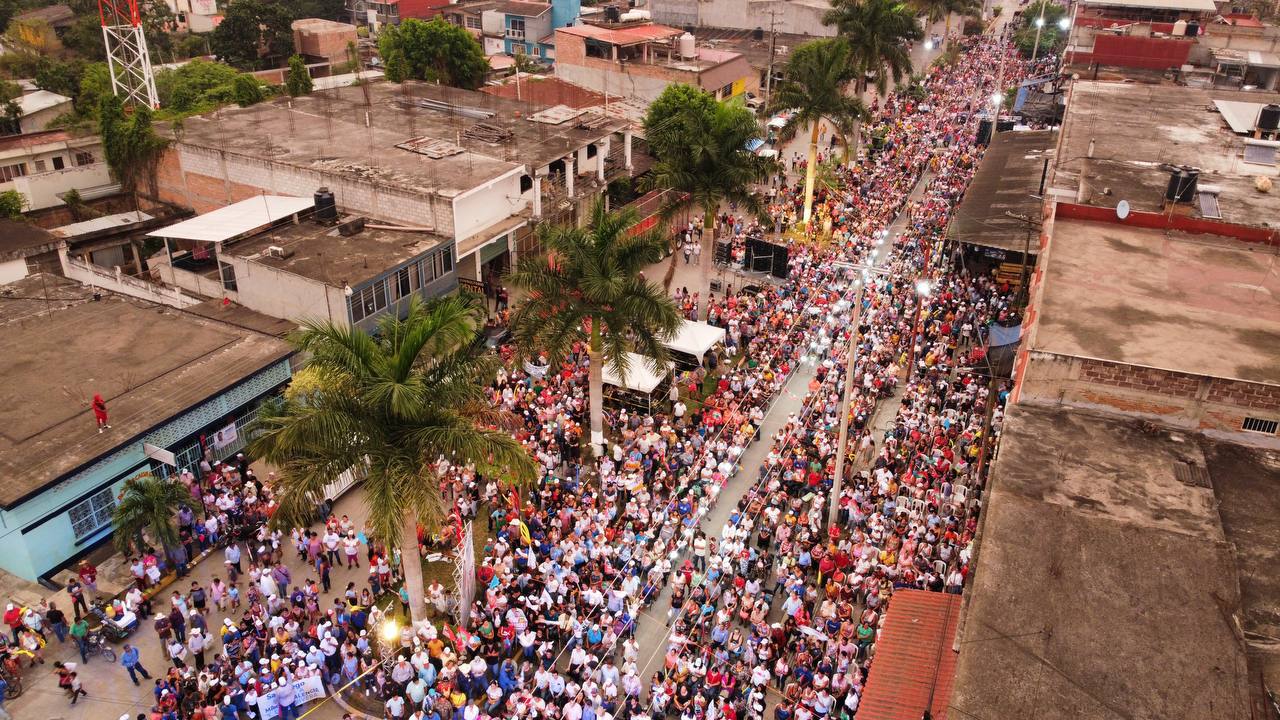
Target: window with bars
point(92, 514)
point(9, 172)
point(1260, 425)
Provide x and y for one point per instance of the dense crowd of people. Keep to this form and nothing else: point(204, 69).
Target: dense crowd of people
point(776, 611)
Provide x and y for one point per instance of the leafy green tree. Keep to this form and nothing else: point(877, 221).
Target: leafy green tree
point(10, 110)
point(130, 143)
point(248, 91)
point(878, 32)
point(437, 51)
point(814, 86)
point(148, 504)
point(397, 68)
point(12, 204)
point(253, 34)
point(393, 403)
point(84, 38)
point(675, 114)
point(708, 163)
point(298, 80)
point(587, 286)
point(8, 8)
point(1051, 36)
point(197, 86)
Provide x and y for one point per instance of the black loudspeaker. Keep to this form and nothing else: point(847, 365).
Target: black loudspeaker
point(723, 250)
point(766, 257)
point(985, 125)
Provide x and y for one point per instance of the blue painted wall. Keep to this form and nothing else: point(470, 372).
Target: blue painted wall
point(564, 12)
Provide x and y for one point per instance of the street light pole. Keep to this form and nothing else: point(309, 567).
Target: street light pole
point(1039, 28)
point(850, 363)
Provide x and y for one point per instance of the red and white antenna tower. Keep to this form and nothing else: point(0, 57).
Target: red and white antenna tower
point(127, 55)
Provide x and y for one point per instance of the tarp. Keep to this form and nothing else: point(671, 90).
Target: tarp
point(641, 375)
point(753, 144)
point(695, 338)
point(1001, 335)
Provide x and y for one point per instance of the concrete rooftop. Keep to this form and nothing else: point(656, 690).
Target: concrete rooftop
point(1138, 128)
point(1106, 586)
point(321, 253)
point(1198, 304)
point(326, 132)
point(148, 362)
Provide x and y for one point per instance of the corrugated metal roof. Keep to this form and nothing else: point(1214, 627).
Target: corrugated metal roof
point(236, 219)
point(913, 659)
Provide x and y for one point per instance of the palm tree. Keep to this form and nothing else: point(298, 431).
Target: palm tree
point(711, 165)
point(817, 75)
point(935, 10)
point(148, 504)
point(878, 32)
point(588, 287)
point(393, 404)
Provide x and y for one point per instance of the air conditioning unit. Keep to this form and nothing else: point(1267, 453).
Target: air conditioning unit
point(276, 251)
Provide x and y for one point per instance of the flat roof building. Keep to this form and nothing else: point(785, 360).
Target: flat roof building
point(462, 165)
point(1120, 141)
point(171, 381)
point(1123, 570)
point(639, 60)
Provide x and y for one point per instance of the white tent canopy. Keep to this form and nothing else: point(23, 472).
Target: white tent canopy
point(695, 338)
point(641, 375)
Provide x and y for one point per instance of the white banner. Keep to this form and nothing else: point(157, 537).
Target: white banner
point(304, 691)
point(465, 575)
point(204, 7)
point(224, 437)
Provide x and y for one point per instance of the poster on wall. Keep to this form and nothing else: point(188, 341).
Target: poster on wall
point(226, 436)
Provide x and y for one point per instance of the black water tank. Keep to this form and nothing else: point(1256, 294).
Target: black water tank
point(1193, 29)
point(1182, 185)
point(1269, 118)
point(757, 34)
point(612, 14)
point(326, 206)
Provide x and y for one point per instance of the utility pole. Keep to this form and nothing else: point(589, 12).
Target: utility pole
point(773, 43)
point(1039, 27)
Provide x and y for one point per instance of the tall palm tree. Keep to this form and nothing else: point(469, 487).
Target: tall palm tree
point(711, 165)
point(878, 32)
point(587, 286)
point(392, 403)
point(817, 76)
point(148, 504)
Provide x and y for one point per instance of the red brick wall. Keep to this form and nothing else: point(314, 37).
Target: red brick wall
point(1142, 379)
point(1244, 394)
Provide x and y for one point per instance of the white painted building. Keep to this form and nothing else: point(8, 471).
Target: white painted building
point(43, 165)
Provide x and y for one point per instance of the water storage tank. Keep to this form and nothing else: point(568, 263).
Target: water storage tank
point(1180, 28)
point(757, 34)
point(1182, 185)
point(326, 206)
point(687, 48)
point(612, 14)
point(1269, 118)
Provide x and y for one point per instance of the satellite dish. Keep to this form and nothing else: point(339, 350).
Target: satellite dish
point(1122, 209)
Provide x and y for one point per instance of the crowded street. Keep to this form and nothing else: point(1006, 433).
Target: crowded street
point(707, 566)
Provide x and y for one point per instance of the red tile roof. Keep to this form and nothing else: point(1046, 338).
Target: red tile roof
point(35, 139)
point(913, 657)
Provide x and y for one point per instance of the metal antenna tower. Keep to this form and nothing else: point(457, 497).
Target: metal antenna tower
point(127, 56)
